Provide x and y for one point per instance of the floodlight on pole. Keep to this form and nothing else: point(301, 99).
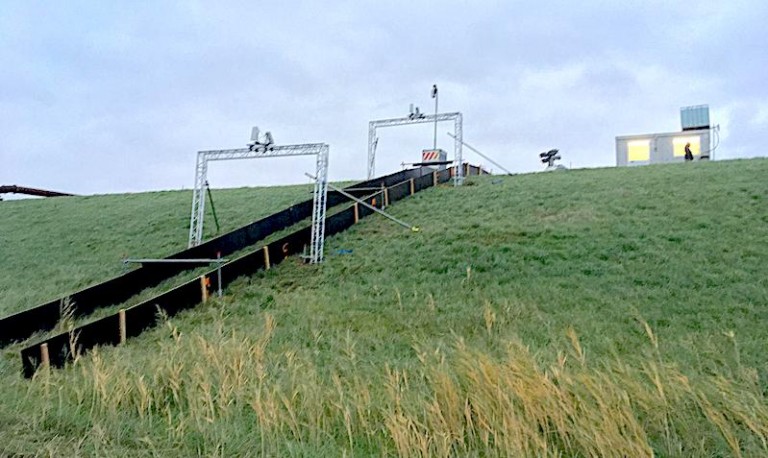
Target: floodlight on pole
point(549, 157)
point(434, 96)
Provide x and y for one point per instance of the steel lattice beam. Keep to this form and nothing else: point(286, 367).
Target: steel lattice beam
point(320, 192)
point(421, 119)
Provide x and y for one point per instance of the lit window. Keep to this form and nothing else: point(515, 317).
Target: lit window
point(639, 151)
point(680, 142)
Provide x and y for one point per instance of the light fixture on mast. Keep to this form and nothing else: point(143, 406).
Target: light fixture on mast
point(434, 96)
point(257, 143)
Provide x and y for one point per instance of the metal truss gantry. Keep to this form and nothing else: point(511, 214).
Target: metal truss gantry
point(419, 119)
point(320, 194)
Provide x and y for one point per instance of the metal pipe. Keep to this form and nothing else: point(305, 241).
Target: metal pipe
point(403, 164)
point(13, 189)
point(213, 207)
point(218, 270)
point(363, 189)
point(174, 261)
point(481, 154)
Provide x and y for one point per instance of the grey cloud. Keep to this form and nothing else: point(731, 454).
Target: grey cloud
point(118, 96)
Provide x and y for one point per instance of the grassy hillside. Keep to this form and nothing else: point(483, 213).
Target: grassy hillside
point(615, 312)
point(51, 247)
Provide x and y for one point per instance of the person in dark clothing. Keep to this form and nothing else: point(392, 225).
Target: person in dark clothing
point(688, 153)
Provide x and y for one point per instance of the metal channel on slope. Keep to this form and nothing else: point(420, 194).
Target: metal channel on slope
point(41, 318)
point(138, 318)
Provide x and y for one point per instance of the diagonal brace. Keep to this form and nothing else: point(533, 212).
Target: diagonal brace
point(366, 204)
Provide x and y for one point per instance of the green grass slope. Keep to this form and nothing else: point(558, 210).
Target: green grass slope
point(614, 312)
point(51, 247)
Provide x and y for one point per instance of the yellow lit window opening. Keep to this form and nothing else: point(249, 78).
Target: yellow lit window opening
point(679, 143)
point(639, 150)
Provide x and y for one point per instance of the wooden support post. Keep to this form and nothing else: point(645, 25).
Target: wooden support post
point(434, 178)
point(452, 171)
point(123, 327)
point(386, 197)
point(204, 288)
point(357, 213)
point(413, 187)
point(266, 257)
point(45, 359)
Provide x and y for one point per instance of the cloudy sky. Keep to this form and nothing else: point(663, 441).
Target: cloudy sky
point(104, 97)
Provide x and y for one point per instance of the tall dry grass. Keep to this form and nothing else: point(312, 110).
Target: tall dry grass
point(227, 394)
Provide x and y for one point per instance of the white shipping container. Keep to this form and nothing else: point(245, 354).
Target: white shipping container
point(661, 148)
